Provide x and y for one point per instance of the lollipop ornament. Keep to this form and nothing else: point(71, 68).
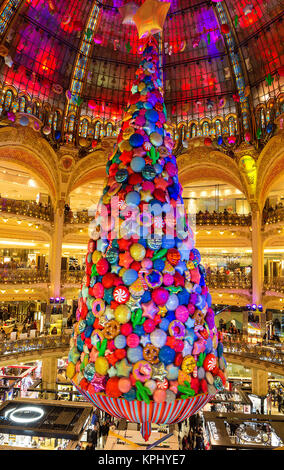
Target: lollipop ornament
point(145, 346)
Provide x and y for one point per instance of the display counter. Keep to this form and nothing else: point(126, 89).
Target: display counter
point(42, 424)
point(240, 431)
point(230, 401)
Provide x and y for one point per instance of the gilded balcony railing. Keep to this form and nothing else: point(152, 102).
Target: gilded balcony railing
point(26, 208)
point(23, 276)
point(233, 280)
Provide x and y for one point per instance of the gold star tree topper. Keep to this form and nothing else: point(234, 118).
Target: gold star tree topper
point(150, 17)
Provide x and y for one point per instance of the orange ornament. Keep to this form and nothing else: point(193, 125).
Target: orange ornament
point(173, 256)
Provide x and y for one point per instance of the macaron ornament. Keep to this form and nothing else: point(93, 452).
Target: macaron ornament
point(144, 332)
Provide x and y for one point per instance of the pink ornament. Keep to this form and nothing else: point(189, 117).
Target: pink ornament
point(98, 290)
point(160, 296)
point(191, 309)
point(173, 386)
point(182, 313)
point(149, 325)
point(159, 395)
point(168, 279)
point(133, 340)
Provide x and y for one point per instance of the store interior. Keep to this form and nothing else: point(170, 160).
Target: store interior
point(199, 84)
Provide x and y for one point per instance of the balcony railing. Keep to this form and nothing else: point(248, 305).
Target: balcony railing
point(222, 218)
point(34, 344)
point(234, 280)
point(72, 277)
point(23, 276)
point(80, 217)
point(272, 216)
point(273, 354)
point(26, 208)
point(274, 284)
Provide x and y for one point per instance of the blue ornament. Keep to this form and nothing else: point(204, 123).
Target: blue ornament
point(164, 324)
point(148, 172)
point(129, 276)
point(121, 175)
point(152, 115)
point(137, 164)
point(90, 318)
point(139, 330)
point(136, 140)
point(135, 354)
point(120, 341)
point(131, 395)
point(88, 331)
point(220, 140)
point(159, 264)
point(170, 316)
point(132, 198)
point(167, 355)
point(168, 242)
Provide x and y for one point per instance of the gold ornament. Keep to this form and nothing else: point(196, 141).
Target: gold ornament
point(188, 364)
point(150, 17)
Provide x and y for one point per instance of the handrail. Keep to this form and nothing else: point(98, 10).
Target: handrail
point(260, 352)
point(274, 283)
point(222, 218)
point(23, 276)
point(272, 216)
point(34, 344)
point(233, 280)
point(26, 208)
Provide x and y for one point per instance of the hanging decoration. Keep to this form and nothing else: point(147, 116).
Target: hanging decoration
point(150, 17)
point(145, 346)
point(127, 12)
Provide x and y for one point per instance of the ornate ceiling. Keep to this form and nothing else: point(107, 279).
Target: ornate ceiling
point(77, 54)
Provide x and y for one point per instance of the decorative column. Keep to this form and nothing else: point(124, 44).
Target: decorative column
point(257, 262)
point(56, 249)
point(48, 375)
point(259, 382)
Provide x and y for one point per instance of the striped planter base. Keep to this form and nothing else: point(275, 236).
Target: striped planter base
point(141, 412)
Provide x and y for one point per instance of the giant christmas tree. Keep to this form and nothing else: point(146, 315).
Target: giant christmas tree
point(145, 345)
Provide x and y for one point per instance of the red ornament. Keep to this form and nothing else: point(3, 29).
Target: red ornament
point(207, 141)
point(173, 256)
point(112, 389)
point(210, 362)
point(225, 28)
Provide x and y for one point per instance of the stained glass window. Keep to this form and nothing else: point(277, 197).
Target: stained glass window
point(97, 130)
point(22, 104)
point(109, 129)
point(8, 100)
point(218, 127)
point(193, 131)
point(83, 128)
point(55, 121)
point(205, 129)
point(232, 126)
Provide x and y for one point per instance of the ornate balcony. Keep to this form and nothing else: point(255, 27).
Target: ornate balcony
point(234, 280)
point(222, 218)
point(23, 276)
point(274, 284)
point(26, 208)
point(273, 216)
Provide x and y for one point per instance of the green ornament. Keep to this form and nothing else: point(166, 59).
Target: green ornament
point(201, 359)
point(186, 390)
point(101, 347)
point(89, 33)
point(136, 317)
point(236, 20)
point(94, 271)
point(128, 47)
point(258, 133)
point(142, 392)
point(159, 254)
